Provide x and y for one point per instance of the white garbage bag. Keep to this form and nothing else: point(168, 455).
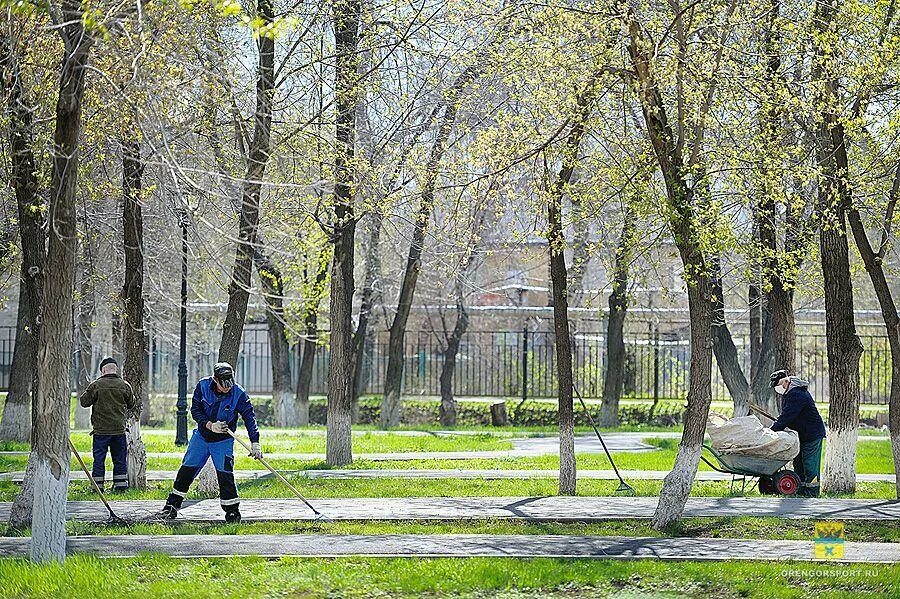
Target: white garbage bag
point(747, 436)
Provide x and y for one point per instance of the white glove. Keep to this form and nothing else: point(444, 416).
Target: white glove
point(217, 427)
point(255, 451)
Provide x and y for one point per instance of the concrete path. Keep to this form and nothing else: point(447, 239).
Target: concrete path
point(537, 509)
point(449, 473)
point(457, 545)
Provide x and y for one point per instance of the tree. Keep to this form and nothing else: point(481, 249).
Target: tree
point(135, 335)
point(84, 326)
point(310, 343)
point(286, 409)
point(874, 263)
point(559, 280)
point(338, 447)
point(463, 271)
point(681, 213)
point(870, 80)
point(843, 345)
point(52, 401)
point(258, 156)
point(614, 376)
point(390, 401)
point(16, 421)
point(369, 297)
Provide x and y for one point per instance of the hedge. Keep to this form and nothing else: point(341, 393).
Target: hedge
point(478, 413)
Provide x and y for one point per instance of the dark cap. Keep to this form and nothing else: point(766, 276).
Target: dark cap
point(223, 373)
point(777, 376)
point(108, 360)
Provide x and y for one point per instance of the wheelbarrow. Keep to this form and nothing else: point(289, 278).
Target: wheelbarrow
point(773, 478)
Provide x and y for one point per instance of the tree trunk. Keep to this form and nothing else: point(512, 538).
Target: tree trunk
point(239, 288)
point(724, 348)
point(338, 448)
point(844, 351)
point(563, 342)
point(15, 424)
point(559, 280)
point(84, 326)
point(448, 401)
point(52, 401)
point(874, 266)
point(390, 402)
point(370, 293)
point(681, 217)
point(834, 199)
point(614, 377)
point(286, 411)
point(580, 251)
point(754, 302)
point(310, 342)
point(307, 361)
point(135, 336)
point(208, 481)
point(677, 484)
point(20, 512)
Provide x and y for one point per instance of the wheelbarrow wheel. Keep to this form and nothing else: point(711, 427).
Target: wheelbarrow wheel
point(767, 486)
point(787, 482)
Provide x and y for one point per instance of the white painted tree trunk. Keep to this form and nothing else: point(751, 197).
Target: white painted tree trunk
point(567, 465)
point(207, 481)
point(286, 408)
point(82, 417)
point(677, 486)
point(16, 421)
point(136, 457)
point(895, 450)
point(20, 513)
point(839, 475)
point(48, 527)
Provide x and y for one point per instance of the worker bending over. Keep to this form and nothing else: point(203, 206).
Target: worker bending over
point(799, 413)
point(216, 405)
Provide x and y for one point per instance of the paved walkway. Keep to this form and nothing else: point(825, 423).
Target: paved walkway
point(537, 509)
point(440, 474)
point(457, 545)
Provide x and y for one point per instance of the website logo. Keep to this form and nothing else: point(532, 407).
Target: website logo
point(829, 540)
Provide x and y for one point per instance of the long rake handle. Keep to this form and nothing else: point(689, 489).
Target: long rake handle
point(276, 473)
point(762, 412)
point(91, 478)
point(597, 431)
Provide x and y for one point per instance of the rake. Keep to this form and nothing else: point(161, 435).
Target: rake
point(623, 486)
point(113, 518)
point(319, 515)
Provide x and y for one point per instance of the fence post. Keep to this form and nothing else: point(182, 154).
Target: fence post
point(656, 365)
point(524, 363)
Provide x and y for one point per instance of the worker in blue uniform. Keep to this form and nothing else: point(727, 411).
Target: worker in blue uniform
point(216, 404)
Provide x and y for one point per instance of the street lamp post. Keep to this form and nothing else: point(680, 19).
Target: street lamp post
point(181, 404)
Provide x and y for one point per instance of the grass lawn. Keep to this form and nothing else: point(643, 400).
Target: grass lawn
point(159, 576)
point(872, 457)
point(298, 442)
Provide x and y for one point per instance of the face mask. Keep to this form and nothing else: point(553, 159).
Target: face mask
point(780, 390)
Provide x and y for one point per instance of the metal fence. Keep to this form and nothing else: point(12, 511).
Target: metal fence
point(523, 364)
point(503, 364)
